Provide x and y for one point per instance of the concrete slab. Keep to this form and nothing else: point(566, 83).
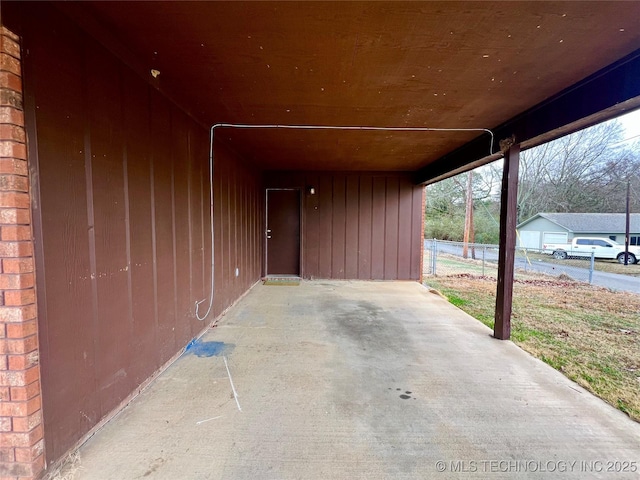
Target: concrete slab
point(370, 380)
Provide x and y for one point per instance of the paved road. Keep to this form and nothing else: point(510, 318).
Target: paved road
point(613, 281)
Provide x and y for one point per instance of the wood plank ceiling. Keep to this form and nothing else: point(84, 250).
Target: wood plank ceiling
point(433, 64)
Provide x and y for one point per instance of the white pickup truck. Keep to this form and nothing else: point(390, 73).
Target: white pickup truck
point(585, 246)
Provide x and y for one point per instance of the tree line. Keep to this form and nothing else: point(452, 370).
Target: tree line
point(584, 172)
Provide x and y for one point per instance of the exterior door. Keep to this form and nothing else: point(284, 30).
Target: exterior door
point(283, 232)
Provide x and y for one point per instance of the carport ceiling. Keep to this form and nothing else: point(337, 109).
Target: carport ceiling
point(434, 64)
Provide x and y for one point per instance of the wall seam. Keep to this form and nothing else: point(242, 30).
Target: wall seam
point(174, 246)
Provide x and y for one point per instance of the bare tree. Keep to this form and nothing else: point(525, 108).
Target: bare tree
point(449, 202)
point(576, 173)
point(586, 171)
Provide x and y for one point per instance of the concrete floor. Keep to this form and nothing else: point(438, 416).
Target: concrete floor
point(360, 380)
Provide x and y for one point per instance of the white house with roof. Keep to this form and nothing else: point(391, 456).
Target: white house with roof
point(563, 227)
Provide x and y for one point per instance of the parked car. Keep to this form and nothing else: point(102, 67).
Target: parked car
point(584, 246)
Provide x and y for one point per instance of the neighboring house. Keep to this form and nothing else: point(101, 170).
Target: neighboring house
point(562, 227)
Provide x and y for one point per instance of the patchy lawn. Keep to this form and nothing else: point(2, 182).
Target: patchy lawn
point(589, 333)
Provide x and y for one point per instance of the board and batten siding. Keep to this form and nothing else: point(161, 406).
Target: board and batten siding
point(122, 225)
point(365, 226)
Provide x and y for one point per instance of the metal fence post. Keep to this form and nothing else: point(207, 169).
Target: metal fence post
point(484, 249)
point(592, 266)
point(434, 255)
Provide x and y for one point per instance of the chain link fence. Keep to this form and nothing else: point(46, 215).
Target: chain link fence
point(446, 258)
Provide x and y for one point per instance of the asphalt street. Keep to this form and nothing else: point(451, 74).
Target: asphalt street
point(612, 281)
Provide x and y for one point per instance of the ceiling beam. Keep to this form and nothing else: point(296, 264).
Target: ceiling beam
point(614, 90)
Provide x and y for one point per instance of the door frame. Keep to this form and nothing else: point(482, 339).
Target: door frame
point(266, 227)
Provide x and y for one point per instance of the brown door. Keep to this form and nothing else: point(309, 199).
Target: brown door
point(283, 232)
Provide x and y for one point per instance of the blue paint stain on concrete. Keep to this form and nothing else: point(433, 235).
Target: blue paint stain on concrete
point(209, 349)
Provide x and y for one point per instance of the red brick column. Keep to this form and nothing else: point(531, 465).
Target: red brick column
point(21, 429)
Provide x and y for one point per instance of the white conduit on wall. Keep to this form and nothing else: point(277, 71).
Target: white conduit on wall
point(300, 127)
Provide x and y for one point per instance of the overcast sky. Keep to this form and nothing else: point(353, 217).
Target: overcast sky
point(631, 123)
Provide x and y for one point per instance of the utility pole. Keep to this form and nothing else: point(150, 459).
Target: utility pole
point(626, 232)
point(468, 217)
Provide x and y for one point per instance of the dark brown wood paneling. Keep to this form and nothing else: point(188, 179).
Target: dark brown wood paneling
point(405, 217)
point(241, 208)
point(219, 207)
point(63, 260)
point(106, 199)
point(311, 233)
point(351, 233)
point(163, 201)
point(231, 176)
point(338, 227)
point(198, 209)
point(378, 223)
point(364, 227)
point(227, 258)
point(138, 148)
point(391, 230)
point(181, 245)
point(358, 225)
point(234, 239)
point(325, 207)
point(123, 226)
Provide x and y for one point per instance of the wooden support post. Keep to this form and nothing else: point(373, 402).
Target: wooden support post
point(506, 256)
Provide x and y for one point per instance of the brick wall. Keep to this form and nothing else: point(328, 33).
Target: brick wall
point(21, 428)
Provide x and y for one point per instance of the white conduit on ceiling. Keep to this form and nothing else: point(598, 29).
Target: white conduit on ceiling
point(301, 127)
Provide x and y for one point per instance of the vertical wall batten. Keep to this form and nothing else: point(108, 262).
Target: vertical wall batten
point(351, 227)
point(180, 162)
point(203, 175)
point(405, 231)
point(174, 247)
point(141, 229)
point(233, 232)
point(229, 184)
point(391, 229)
point(154, 232)
point(378, 231)
point(190, 246)
point(364, 227)
point(127, 227)
point(325, 202)
point(357, 225)
point(338, 228)
point(161, 141)
point(123, 225)
point(107, 139)
point(93, 280)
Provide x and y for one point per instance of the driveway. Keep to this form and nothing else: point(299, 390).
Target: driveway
point(359, 380)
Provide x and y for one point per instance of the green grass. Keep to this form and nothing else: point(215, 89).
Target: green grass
point(588, 333)
point(457, 301)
